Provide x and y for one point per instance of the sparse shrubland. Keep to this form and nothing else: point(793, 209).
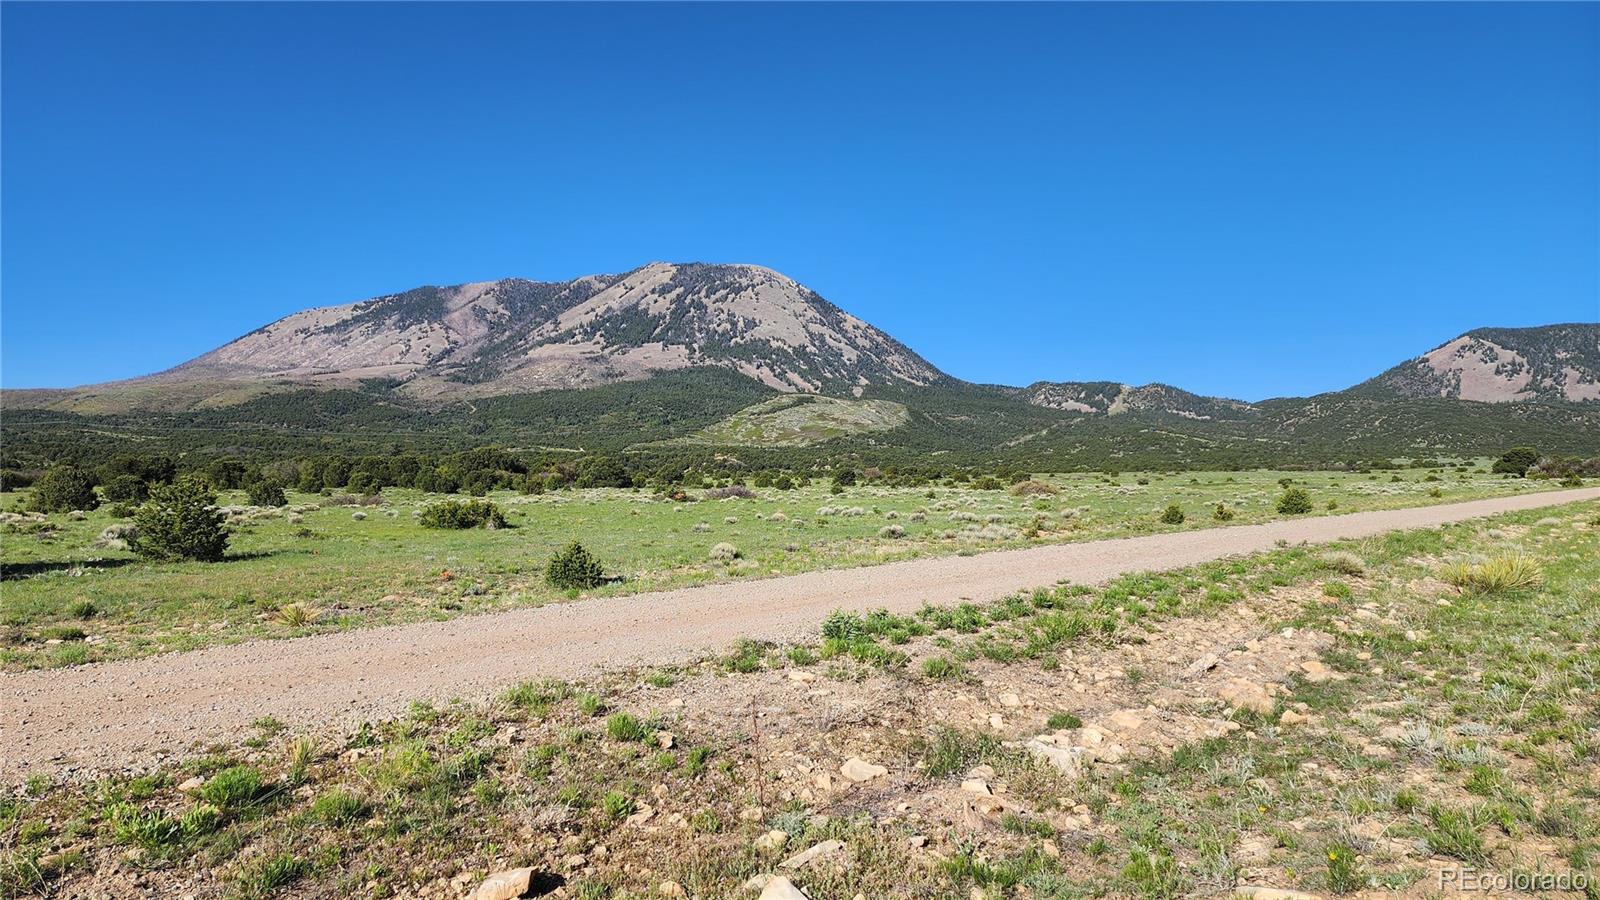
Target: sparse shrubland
point(1453, 732)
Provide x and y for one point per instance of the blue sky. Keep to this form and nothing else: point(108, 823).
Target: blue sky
point(1248, 200)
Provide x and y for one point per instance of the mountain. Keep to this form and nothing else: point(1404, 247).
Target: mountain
point(1552, 363)
point(511, 336)
point(674, 359)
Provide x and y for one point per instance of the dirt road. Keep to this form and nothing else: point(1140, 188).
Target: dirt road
point(122, 714)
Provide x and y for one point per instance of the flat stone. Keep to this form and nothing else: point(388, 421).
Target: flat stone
point(857, 769)
point(823, 852)
point(1258, 892)
point(1125, 720)
point(504, 885)
point(1242, 693)
point(1010, 699)
point(1066, 759)
point(781, 888)
point(976, 786)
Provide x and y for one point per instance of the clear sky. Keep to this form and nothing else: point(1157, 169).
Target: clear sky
point(1248, 200)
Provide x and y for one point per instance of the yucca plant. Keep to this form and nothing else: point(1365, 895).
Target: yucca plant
point(1500, 575)
point(295, 615)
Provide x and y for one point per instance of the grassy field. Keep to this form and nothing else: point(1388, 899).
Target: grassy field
point(68, 599)
point(1427, 703)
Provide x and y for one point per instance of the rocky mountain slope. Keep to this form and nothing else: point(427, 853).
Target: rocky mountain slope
point(514, 335)
point(1502, 365)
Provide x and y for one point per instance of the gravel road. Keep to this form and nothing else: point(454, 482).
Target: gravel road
point(116, 715)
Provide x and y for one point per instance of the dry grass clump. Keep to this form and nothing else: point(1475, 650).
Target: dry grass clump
point(1495, 576)
point(1343, 562)
point(724, 552)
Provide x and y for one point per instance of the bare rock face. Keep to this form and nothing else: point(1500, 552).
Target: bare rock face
point(515, 335)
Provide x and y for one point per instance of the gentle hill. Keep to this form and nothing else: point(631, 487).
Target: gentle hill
point(1501, 365)
point(1110, 398)
point(800, 420)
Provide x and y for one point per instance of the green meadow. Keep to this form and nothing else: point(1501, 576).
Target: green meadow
point(340, 561)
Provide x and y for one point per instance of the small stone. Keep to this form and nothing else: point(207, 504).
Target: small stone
point(1050, 849)
point(664, 740)
point(1010, 699)
point(1290, 717)
point(772, 840)
point(801, 676)
point(192, 784)
point(671, 889)
point(645, 813)
point(504, 885)
point(857, 769)
point(976, 786)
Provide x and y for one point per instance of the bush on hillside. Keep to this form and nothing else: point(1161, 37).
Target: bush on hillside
point(1172, 515)
point(365, 484)
point(64, 488)
point(126, 489)
point(462, 514)
point(1294, 502)
point(574, 568)
point(1516, 461)
point(266, 492)
point(180, 521)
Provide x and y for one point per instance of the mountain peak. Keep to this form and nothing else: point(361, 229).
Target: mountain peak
point(519, 335)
